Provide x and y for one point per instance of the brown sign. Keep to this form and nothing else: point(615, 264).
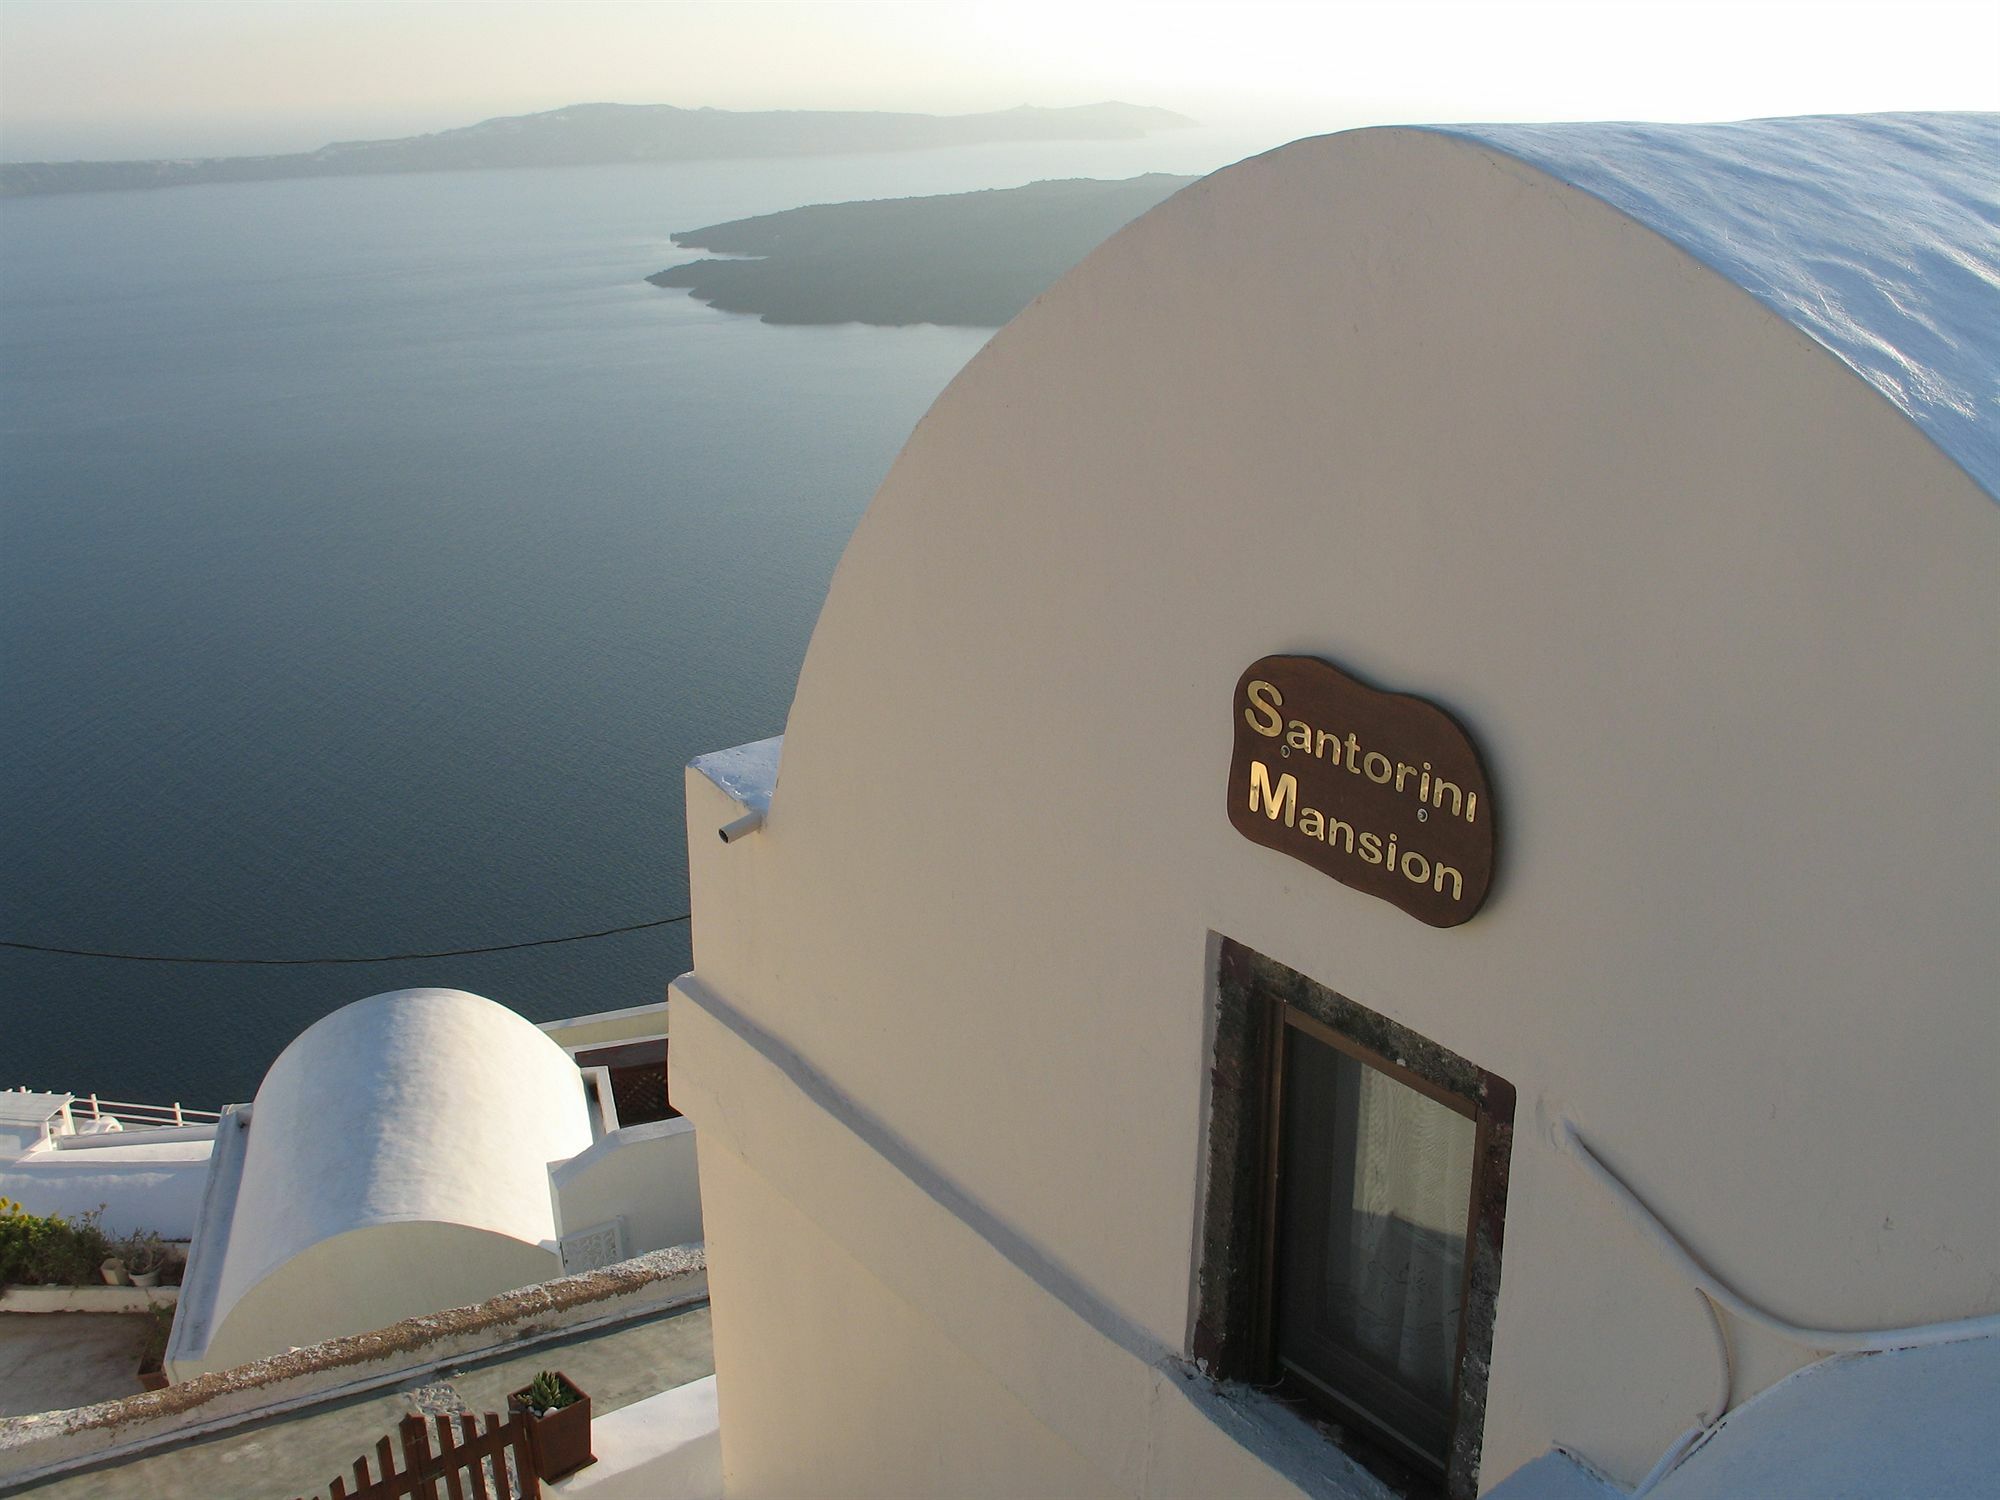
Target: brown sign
point(1382, 791)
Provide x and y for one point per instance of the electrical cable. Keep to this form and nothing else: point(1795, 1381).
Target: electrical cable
point(1677, 1255)
point(1717, 1297)
point(1725, 1358)
point(1677, 1450)
point(377, 958)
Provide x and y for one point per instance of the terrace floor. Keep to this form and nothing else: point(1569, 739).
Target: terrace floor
point(300, 1453)
point(58, 1359)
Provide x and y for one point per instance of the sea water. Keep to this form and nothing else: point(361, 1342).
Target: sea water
point(373, 554)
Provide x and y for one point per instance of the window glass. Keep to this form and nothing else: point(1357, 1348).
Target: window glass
point(1374, 1189)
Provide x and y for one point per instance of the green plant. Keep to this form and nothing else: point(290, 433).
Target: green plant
point(46, 1250)
point(142, 1251)
point(549, 1392)
point(159, 1326)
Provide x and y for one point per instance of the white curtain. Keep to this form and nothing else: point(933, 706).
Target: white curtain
point(1396, 1237)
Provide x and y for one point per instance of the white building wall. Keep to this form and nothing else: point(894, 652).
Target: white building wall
point(955, 1360)
point(868, 1375)
point(1721, 620)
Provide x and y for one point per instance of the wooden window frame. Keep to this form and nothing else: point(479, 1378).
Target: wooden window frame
point(1260, 1002)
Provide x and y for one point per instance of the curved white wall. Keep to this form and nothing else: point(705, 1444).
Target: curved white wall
point(1720, 617)
point(368, 1278)
point(397, 1162)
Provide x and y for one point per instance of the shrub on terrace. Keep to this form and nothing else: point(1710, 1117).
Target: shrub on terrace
point(44, 1250)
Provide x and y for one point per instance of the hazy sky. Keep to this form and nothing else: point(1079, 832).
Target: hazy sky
point(94, 78)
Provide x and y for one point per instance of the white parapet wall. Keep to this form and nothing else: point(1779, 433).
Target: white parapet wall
point(669, 1445)
point(139, 1184)
point(86, 1299)
point(604, 1028)
point(642, 1174)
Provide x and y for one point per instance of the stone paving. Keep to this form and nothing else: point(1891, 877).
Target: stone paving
point(60, 1359)
point(297, 1455)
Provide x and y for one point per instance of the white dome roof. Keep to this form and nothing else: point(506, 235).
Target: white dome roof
point(1878, 236)
point(414, 1106)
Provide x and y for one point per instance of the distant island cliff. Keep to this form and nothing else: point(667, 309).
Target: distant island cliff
point(594, 134)
point(965, 259)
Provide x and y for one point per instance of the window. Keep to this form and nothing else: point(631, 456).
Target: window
point(1351, 1249)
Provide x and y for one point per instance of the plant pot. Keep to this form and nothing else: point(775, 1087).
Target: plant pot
point(113, 1272)
point(559, 1441)
point(146, 1278)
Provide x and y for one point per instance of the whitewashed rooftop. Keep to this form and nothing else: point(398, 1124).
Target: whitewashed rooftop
point(1878, 236)
point(26, 1107)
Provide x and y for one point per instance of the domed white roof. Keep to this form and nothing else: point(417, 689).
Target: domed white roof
point(414, 1106)
point(1876, 235)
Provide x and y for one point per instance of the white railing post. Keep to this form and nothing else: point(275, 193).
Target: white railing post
point(177, 1113)
point(94, 1114)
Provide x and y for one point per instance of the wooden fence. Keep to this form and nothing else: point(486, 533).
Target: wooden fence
point(458, 1469)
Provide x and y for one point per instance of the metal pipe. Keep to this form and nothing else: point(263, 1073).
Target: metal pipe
point(742, 827)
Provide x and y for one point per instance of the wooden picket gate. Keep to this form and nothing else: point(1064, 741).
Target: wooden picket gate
point(457, 1469)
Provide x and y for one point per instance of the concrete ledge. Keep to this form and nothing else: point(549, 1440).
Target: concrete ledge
point(666, 1445)
point(746, 774)
point(91, 1299)
point(210, 1237)
point(606, 1026)
point(124, 1140)
point(48, 1443)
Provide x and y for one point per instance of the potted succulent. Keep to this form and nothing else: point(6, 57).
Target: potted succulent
point(558, 1424)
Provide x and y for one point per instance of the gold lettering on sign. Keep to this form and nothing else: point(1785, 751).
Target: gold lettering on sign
point(1282, 801)
point(1288, 790)
point(1262, 714)
point(1382, 791)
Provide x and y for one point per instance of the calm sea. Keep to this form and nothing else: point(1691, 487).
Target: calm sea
point(373, 554)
